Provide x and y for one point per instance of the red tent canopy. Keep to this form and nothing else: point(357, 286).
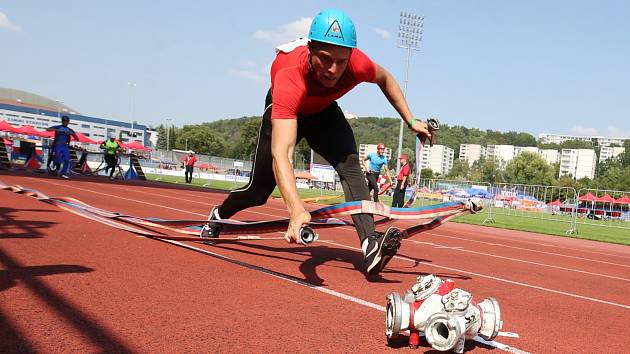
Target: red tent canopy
point(7, 141)
point(28, 130)
point(588, 197)
point(555, 203)
point(305, 175)
point(605, 199)
point(208, 166)
point(85, 139)
point(6, 127)
point(134, 145)
point(623, 200)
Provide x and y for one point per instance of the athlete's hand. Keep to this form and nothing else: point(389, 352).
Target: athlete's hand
point(422, 129)
point(298, 219)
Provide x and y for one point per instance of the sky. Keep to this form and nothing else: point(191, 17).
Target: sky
point(532, 66)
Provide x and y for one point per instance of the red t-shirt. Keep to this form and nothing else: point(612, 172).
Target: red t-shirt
point(296, 91)
point(190, 160)
point(404, 171)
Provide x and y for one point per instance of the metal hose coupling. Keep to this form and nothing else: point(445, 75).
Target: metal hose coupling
point(308, 235)
point(446, 315)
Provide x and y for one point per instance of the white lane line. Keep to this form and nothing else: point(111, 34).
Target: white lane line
point(461, 249)
point(537, 244)
point(324, 290)
point(494, 278)
point(129, 199)
point(400, 257)
point(526, 249)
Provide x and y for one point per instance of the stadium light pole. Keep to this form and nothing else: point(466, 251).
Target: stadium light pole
point(410, 30)
point(132, 85)
point(168, 134)
point(58, 109)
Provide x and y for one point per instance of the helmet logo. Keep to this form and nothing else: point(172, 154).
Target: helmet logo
point(334, 30)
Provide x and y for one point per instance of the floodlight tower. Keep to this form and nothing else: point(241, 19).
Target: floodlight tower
point(410, 31)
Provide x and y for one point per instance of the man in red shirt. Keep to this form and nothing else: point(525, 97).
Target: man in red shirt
point(401, 181)
point(307, 77)
point(189, 164)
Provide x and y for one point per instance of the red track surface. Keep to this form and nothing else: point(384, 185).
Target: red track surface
point(68, 284)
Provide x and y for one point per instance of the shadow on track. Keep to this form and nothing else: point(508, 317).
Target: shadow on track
point(82, 322)
point(10, 227)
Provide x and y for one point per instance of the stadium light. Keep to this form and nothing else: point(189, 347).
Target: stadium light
point(131, 85)
point(58, 109)
point(168, 134)
point(410, 29)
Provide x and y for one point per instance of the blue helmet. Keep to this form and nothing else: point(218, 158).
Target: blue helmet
point(335, 27)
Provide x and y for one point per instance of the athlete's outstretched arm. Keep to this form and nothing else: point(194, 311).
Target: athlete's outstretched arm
point(283, 137)
point(394, 94)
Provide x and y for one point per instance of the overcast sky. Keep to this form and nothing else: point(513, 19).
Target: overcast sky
point(534, 66)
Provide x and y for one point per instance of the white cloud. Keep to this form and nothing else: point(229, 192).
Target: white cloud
point(580, 130)
point(248, 75)
point(615, 132)
point(383, 33)
point(285, 33)
point(6, 24)
point(248, 63)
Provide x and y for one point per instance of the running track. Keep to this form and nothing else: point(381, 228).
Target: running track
point(68, 284)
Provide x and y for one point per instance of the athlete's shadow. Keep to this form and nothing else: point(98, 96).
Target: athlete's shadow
point(317, 256)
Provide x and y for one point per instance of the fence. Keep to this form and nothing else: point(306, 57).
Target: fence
point(604, 208)
point(550, 203)
point(432, 191)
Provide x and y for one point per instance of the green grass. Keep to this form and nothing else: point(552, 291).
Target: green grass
point(550, 227)
point(511, 222)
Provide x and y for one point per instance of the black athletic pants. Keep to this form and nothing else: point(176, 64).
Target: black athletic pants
point(372, 182)
point(399, 194)
point(329, 134)
point(110, 160)
point(188, 173)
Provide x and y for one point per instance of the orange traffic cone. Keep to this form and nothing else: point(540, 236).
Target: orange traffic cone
point(32, 163)
point(85, 169)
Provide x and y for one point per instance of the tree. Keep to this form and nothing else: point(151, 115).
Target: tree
point(486, 170)
point(426, 173)
point(460, 170)
point(529, 168)
point(200, 139)
point(246, 144)
point(161, 142)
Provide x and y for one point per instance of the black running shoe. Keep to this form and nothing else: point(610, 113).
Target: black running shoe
point(380, 248)
point(210, 229)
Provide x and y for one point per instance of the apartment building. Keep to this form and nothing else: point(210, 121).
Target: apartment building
point(578, 163)
point(438, 158)
point(471, 153)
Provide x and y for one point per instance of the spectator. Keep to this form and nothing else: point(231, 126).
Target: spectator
point(401, 182)
point(189, 163)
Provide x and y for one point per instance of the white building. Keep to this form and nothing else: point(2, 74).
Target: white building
point(21, 108)
point(608, 152)
point(471, 153)
point(578, 163)
point(501, 153)
point(598, 140)
point(520, 149)
point(438, 158)
point(550, 156)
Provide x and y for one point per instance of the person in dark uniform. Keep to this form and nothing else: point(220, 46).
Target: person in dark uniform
point(61, 142)
point(402, 180)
